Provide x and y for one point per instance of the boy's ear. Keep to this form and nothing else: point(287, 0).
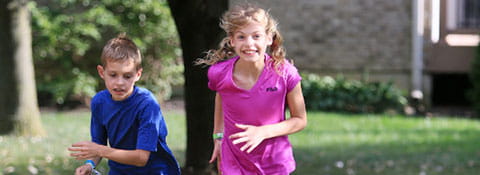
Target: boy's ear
point(139, 74)
point(100, 70)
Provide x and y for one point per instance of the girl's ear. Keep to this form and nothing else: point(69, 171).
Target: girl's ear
point(270, 39)
point(230, 41)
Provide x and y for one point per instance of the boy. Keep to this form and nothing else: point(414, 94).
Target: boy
point(126, 116)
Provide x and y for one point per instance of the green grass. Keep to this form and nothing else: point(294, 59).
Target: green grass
point(391, 145)
point(332, 144)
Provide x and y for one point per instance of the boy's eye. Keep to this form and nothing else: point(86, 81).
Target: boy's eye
point(113, 75)
point(240, 37)
point(256, 36)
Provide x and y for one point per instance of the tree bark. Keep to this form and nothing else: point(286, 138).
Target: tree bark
point(198, 27)
point(18, 100)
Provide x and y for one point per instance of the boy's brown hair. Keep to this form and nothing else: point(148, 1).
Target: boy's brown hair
point(121, 48)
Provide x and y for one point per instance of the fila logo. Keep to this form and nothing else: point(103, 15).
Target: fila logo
point(272, 89)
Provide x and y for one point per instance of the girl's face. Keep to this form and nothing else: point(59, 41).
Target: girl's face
point(119, 77)
point(251, 41)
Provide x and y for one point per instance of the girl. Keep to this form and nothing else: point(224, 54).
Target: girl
point(253, 89)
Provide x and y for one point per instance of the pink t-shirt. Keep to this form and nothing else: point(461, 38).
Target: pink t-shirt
point(263, 104)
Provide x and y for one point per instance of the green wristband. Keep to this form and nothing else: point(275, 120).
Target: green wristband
point(218, 136)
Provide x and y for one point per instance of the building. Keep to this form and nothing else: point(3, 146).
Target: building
point(404, 41)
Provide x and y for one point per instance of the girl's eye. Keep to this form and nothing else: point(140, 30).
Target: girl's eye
point(256, 36)
point(240, 37)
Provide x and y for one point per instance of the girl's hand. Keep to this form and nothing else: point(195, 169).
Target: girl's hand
point(216, 151)
point(84, 170)
point(85, 150)
point(252, 136)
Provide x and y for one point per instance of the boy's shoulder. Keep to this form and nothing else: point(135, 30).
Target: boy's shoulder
point(145, 96)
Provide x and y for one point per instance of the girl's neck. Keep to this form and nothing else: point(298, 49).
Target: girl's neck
point(250, 67)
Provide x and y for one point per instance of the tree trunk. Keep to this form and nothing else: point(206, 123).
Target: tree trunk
point(198, 27)
point(18, 99)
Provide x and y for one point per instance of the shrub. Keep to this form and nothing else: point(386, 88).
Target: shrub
point(342, 95)
point(68, 36)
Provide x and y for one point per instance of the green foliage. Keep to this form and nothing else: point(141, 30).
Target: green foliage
point(340, 94)
point(475, 80)
point(68, 36)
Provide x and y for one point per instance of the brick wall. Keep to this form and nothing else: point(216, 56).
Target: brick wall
point(349, 37)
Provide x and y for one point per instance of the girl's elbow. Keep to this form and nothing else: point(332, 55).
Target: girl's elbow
point(302, 123)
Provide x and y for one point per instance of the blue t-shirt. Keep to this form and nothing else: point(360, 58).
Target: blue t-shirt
point(133, 123)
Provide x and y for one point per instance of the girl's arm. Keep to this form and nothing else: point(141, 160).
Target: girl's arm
point(91, 150)
point(254, 135)
point(217, 127)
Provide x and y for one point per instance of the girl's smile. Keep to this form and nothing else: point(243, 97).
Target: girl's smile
point(251, 41)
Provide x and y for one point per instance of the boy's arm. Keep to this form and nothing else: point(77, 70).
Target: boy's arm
point(91, 150)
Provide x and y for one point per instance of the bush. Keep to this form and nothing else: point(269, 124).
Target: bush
point(342, 95)
point(474, 93)
point(68, 36)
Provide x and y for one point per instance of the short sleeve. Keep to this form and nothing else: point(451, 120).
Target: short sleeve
point(151, 127)
point(97, 131)
point(212, 77)
point(292, 76)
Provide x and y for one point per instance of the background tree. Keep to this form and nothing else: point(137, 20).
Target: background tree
point(69, 36)
point(18, 98)
point(198, 26)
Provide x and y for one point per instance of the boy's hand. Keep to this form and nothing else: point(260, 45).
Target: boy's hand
point(252, 136)
point(85, 150)
point(84, 170)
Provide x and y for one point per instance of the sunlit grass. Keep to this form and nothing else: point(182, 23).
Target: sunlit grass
point(49, 155)
point(394, 145)
point(332, 144)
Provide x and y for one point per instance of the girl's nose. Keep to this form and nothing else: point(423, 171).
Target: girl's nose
point(249, 40)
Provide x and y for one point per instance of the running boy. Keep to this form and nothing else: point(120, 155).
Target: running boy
point(126, 116)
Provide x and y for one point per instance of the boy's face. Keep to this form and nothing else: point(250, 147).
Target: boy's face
point(119, 77)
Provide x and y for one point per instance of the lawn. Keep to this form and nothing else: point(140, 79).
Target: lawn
point(332, 144)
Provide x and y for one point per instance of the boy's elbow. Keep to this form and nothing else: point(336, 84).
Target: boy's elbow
point(141, 164)
point(142, 160)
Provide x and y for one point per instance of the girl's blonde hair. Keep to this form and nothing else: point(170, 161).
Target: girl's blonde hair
point(238, 17)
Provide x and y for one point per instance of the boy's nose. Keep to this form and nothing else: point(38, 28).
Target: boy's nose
point(120, 81)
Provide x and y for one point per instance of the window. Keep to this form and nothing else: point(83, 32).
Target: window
point(463, 14)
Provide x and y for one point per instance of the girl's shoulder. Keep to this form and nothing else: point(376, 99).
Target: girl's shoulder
point(222, 66)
